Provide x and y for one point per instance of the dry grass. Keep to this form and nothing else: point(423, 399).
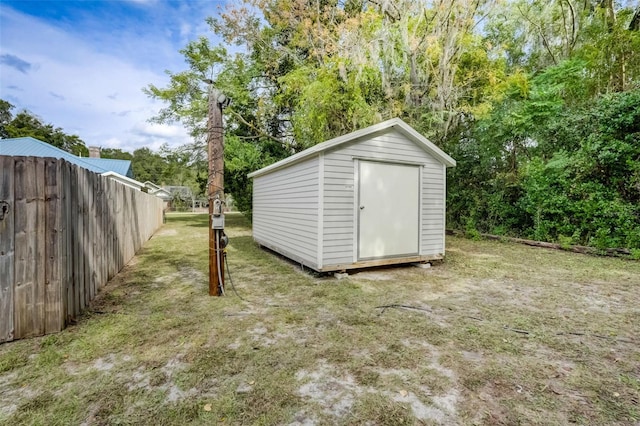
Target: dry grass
point(491, 342)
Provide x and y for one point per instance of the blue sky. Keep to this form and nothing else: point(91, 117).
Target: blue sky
point(81, 65)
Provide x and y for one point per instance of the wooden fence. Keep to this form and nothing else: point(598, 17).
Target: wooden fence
point(64, 233)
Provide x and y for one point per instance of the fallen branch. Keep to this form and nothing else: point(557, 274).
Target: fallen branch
point(398, 306)
point(473, 318)
point(506, 327)
point(516, 330)
point(612, 252)
point(599, 336)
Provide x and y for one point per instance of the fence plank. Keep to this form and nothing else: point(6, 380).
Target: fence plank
point(40, 256)
point(86, 283)
point(23, 171)
point(73, 231)
point(103, 232)
point(77, 232)
point(29, 247)
point(121, 243)
point(53, 306)
point(7, 258)
point(98, 243)
point(90, 239)
point(122, 223)
point(79, 252)
point(66, 249)
point(112, 229)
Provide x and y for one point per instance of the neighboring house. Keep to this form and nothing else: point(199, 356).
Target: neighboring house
point(158, 191)
point(181, 198)
point(373, 197)
point(31, 147)
point(119, 170)
point(122, 167)
point(132, 183)
point(152, 186)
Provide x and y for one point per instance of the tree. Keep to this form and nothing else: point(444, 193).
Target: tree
point(27, 124)
point(149, 166)
point(331, 68)
point(312, 70)
point(591, 195)
point(515, 90)
point(186, 98)
point(116, 154)
point(5, 117)
point(186, 94)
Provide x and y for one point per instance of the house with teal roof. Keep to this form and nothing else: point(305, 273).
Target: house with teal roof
point(31, 147)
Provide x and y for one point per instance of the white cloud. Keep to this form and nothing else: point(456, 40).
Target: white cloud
point(112, 143)
point(156, 130)
point(185, 29)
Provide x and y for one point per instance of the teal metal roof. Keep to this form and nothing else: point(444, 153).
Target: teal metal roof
point(31, 147)
point(122, 167)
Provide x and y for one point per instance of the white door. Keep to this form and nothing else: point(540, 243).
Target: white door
point(388, 210)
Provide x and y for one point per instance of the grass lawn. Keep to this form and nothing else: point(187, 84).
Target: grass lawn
point(496, 334)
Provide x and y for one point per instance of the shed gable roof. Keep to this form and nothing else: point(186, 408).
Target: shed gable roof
point(394, 123)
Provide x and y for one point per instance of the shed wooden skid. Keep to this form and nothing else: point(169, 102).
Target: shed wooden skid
point(370, 198)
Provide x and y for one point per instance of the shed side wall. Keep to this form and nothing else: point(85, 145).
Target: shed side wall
point(433, 209)
point(285, 211)
point(340, 189)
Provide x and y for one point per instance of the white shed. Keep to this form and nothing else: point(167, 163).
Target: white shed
point(373, 197)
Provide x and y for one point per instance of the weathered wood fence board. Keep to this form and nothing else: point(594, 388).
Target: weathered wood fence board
point(53, 302)
point(7, 236)
point(66, 253)
point(29, 247)
point(64, 233)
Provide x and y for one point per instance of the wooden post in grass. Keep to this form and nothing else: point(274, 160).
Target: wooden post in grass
point(215, 187)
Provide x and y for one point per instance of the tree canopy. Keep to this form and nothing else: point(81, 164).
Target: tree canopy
point(537, 100)
point(26, 124)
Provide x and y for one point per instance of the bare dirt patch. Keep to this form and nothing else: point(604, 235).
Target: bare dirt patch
point(161, 379)
point(12, 395)
point(166, 232)
point(333, 391)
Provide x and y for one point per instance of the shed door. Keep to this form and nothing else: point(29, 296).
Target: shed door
point(388, 210)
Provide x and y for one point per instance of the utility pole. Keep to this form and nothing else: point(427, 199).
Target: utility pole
point(215, 190)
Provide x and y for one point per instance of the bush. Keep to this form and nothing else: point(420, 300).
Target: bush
point(547, 183)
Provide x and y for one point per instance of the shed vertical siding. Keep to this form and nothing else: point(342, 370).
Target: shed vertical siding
point(340, 226)
point(433, 210)
point(286, 211)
